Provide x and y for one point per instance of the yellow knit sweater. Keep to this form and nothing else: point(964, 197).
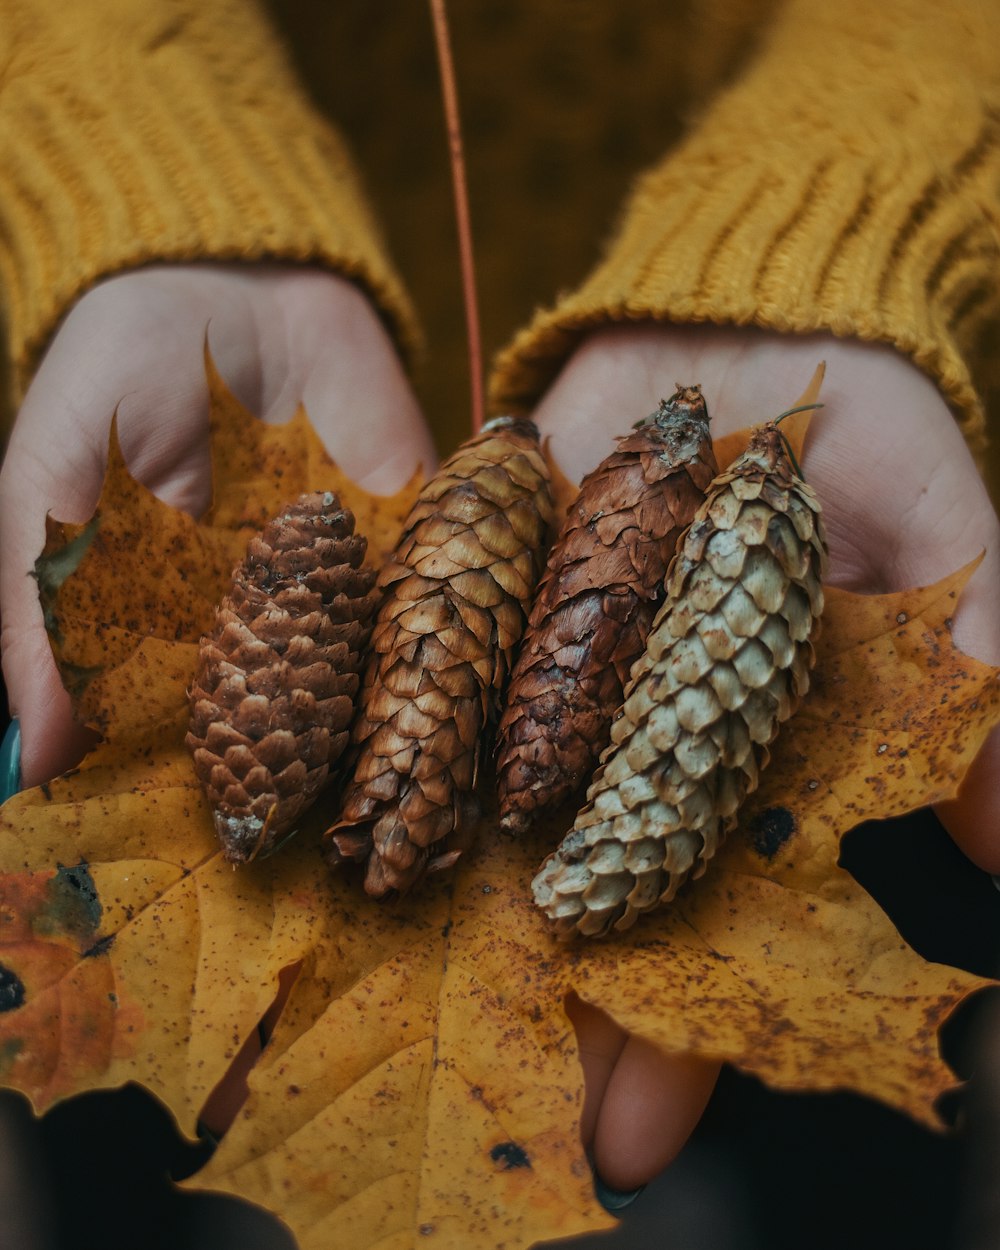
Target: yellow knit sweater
point(828, 166)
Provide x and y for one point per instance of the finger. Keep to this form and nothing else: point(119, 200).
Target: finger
point(55, 462)
point(51, 740)
point(640, 1105)
point(342, 366)
point(918, 511)
point(225, 1101)
point(600, 1042)
point(651, 1105)
point(972, 817)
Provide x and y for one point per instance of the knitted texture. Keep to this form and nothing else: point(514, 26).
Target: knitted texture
point(456, 598)
point(727, 661)
point(846, 175)
point(137, 130)
point(833, 186)
point(273, 698)
point(603, 582)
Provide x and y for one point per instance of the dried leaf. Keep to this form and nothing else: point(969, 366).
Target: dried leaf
point(794, 427)
point(422, 1087)
point(259, 467)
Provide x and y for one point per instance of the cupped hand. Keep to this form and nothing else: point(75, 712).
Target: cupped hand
point(904, 505)
point(279, 336)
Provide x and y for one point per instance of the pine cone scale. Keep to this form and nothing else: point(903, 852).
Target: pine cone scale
point(595, 605)
point(727, 662)
point(455, 602)
point(480, 590)
point(273, 696)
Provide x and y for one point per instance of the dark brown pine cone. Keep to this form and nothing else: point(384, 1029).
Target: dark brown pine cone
point(457, 592)
point(273, 698)
point(602, 586)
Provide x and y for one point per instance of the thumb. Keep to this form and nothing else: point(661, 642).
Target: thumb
point(51, 740)
point(973, 817)
point(55, 462)
point(916, 512)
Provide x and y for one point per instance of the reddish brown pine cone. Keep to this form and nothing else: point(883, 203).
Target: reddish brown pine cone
point(727, 661)
point(273, 698)
point(457, 592)
point(603, 583)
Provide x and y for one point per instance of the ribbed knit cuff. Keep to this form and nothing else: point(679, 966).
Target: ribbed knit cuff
point(837, 187)
point(142, 131)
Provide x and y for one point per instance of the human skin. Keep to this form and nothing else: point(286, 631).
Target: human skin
point(134, 344)
point(903, 503)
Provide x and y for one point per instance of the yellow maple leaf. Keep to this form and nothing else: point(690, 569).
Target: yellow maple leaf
point(422, 1086)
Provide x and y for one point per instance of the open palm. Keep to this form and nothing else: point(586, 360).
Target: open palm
point(279, 336)
point(904, 505)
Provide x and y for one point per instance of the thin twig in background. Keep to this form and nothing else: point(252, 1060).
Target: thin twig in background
point(454, 128)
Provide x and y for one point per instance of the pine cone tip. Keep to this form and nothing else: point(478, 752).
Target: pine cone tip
point(686, 401)
point(241, 837)
point(515, 821)
point(347, 847)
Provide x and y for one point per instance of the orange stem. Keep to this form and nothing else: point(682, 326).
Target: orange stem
point(462, 220)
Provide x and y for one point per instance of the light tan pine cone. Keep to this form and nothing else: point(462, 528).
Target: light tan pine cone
point(273, 698)
point(603, 584)
point(727, 660)
point(456, 598)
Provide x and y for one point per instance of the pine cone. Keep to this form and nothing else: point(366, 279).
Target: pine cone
point(602, 586)
point(273, 698)
point(457, 592)
point(727, 661)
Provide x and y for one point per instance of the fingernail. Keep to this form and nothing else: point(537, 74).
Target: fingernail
point(996, 880)
point(614, 1199)
point(10, 761)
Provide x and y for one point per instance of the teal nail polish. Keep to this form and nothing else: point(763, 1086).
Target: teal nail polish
point(10, 761)
point(614, 1199)
point(207, 1136)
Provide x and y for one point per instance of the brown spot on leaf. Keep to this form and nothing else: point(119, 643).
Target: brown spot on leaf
point(509, 1155)
point(381, 994)
point(771, 829)
point(11, 990)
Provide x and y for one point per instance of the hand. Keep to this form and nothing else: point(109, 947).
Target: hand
point(904, 505)
point(279, 336)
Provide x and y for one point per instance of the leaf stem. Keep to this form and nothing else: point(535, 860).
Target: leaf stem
point(462, 218)
point(790, 412)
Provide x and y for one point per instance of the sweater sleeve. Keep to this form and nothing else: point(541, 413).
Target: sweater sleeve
point(849, 181)
point(139, 130)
